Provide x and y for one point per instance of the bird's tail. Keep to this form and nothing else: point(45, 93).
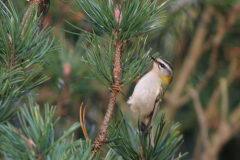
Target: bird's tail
point(144, 130)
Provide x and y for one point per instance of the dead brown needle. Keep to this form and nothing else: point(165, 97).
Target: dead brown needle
point(82, 121)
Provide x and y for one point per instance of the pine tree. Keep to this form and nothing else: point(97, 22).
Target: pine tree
point(115, 64)
point(116, 57)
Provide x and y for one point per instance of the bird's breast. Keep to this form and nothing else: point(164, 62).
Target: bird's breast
point(144, 95)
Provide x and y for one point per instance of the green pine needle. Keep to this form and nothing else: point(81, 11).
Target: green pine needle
point(136, 17)
point(36, 138)
point(127, 142)
point(17, 54)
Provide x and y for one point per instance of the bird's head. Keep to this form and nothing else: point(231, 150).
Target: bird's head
point(163, 69)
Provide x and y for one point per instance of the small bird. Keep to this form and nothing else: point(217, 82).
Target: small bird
point(149, 92)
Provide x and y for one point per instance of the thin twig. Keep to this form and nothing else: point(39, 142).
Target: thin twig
point(221, 31)
point(234, 120)
point(194, 53)
point(198, 147)
point(226, 130)
point(200, 115)
point(224, 93)
point(233, 69)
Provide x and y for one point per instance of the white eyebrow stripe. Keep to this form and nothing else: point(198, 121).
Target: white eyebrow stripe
point(167, 65)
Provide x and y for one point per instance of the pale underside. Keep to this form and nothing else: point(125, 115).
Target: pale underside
point(147, 91)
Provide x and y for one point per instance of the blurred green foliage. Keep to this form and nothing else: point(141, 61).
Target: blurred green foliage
point(173, 42)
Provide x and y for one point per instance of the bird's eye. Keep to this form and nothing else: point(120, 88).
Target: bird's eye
point(162, 65)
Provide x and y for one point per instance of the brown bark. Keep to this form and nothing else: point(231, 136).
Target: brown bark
point(42, 9)
point(117, 74)
point(26, 19)
point(100, 141)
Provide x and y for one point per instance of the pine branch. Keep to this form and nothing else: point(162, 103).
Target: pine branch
point(25, 20)
point(42, 11)
point(17, 54)
point(120, 24)
point(117, 75)
point(127, 142)
point(100, 141)
point(36, 138)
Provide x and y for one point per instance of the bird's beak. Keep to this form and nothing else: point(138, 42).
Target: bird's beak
point(154, 59)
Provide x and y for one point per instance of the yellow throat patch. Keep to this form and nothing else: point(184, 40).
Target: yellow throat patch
point(166, 80)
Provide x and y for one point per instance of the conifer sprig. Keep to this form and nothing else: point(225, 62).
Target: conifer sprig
point(135, 60)
point(112, 59)
point(36, 140)
point(127, 142)
point(19, 52)
point(135, 18)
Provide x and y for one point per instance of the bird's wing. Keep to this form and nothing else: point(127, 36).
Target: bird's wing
point(154, 113)
point(155, 109)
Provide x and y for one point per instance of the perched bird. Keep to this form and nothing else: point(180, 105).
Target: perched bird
point(148, 94)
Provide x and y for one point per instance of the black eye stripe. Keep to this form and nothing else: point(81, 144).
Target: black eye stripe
point(168, 64)
point(162, 65)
